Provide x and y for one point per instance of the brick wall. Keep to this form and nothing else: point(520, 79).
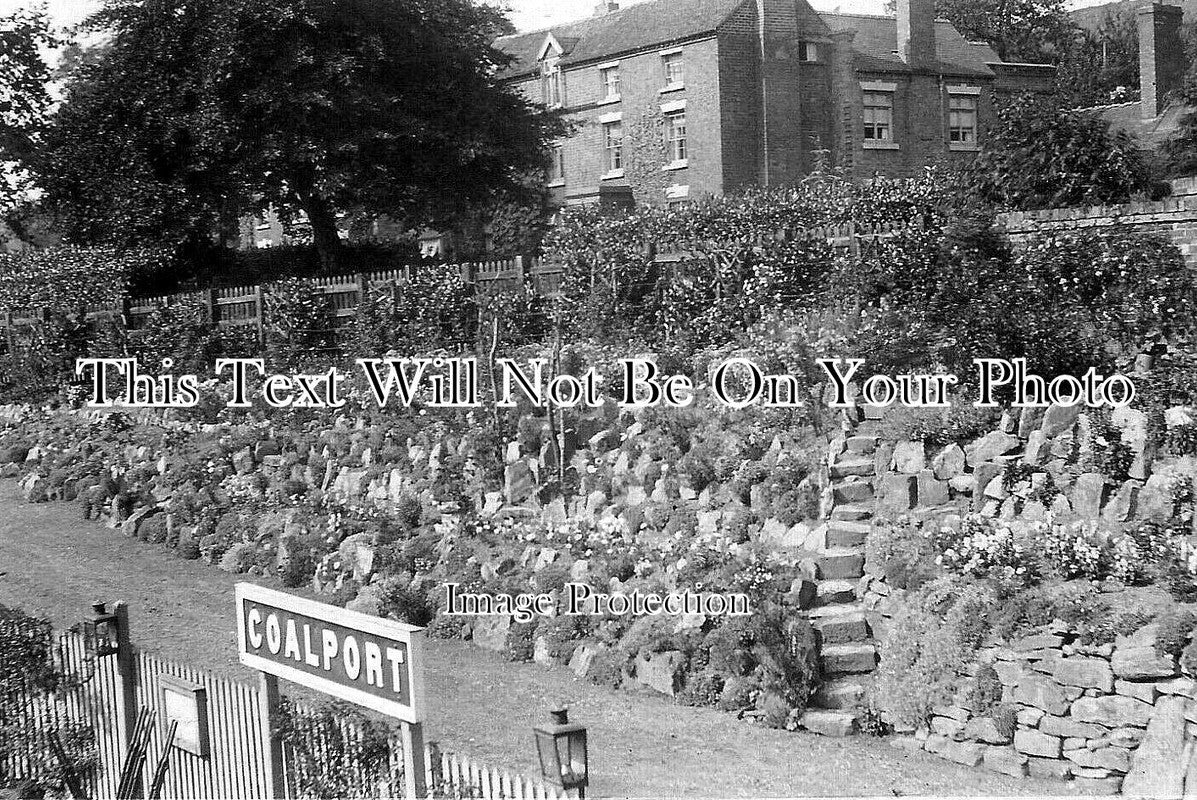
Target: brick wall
point(1174, 217)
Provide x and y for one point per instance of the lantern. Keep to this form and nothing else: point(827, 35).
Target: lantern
point(561, 746)
point(100, 633)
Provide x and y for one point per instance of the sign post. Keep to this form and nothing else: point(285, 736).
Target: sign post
point(373, 662)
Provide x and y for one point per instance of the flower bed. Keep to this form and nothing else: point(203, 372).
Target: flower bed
point(379, 510)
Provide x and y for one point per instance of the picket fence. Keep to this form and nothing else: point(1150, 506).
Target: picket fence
point(243, 305)
point(94, 697)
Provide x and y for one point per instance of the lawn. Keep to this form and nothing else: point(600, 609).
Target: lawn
point(54, 564)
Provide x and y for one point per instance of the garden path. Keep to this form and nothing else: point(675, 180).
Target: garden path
point(53, 564)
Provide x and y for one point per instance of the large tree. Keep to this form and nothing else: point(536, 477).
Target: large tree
point(392, 107)
point(1102, 65)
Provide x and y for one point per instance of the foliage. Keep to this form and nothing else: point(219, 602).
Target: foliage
point(298, 323)
point(1024, 31)
point(189, 118)
point(25, 34)
point(1042, 155)
point(336, 750)
point(982, 547)
point(1101, 65)
point(903, 552)
point(433, 310)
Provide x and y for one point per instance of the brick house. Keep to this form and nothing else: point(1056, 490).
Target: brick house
point(675, 99)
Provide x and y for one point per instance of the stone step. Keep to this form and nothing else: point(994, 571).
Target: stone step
point(851, 659)
point(851, 513)
point(840, 693)
point(853, 492)
point(841, 563)
point(843, 628)
point(829, 723)
point(852, 465)
point(833, 592)
point(861, 444)
point(841, 533)
point(868, 427)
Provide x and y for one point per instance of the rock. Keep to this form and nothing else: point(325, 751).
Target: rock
point(1113, 711)
point(583, 658)
point(519, 483)
point(34, 489)
point(490, 632)
point(357, 555)
point(368, 601)
point(1035, 743)
point(1147, 692)
point(1122, 505)
point(1029, 717)
point(1068, 728)
point(990, 446)
point(984, 729)
point(540, 652)
point(837, 724)
point(1087, 673)
point(1058, 419)
point(983, 475)
point(853, 492)
point(948, 463)
point(1089, 494)
point(1051, 768)
point(1157, 501)
point(1114, 759)
point(970, 754)
point(130, 525)
point(898, 493)
point(1038, 449)
point(1158, 769)
point(931, 491)
point(1006, 760)
point(1135, 657)
point(1041, 692)
point(660, 671)
point(909, 458)
point(962, 484)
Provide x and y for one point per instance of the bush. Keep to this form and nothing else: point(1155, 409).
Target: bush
point(903, 552)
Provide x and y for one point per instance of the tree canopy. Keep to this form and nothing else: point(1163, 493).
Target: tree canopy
point(200, 110)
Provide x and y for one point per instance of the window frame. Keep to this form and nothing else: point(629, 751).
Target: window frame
point(605, 84)
point(970, 95)
point(669, 58)
point(612, 148)
point(808, 52)
point(552, 82)
point(556, 176)
point(677, 148)
point(877, 97)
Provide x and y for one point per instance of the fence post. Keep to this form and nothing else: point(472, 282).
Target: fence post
point(272, 755)
point(210, 302)
point(413, 761)
point(8, 332)
point(126, 668)
point(259, 297)
point(521, 270)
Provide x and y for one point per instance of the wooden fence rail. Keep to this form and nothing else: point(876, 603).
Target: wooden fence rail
point(234, 306)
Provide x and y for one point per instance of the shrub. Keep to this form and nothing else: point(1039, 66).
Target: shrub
point(904, 553)
point(1176, 628)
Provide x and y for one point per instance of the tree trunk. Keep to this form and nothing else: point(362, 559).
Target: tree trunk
point(324, 228)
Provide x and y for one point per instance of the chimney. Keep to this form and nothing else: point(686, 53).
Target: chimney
point(916, 32)
point(1161, 56)
point(605, 7)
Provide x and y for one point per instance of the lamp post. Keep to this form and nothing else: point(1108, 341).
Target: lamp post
point(101, 632)
point(561, 746)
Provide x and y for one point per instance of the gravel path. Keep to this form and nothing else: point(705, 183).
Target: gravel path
point(53, 564)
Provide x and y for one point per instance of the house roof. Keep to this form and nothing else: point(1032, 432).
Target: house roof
point(876, 41)
point(1152, 132)
point(655, 22)
point(660, 22)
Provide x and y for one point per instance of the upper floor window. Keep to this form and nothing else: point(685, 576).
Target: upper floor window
point(675, 136)
point(878, 116)
point(552, 82)
point(962, 118)
point(675, 70)
point(613, 146)
point(609, 83)
point(808, 51)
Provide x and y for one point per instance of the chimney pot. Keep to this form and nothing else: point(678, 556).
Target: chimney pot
point(916, 32)
point(1161, 56)
point(606, 7)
